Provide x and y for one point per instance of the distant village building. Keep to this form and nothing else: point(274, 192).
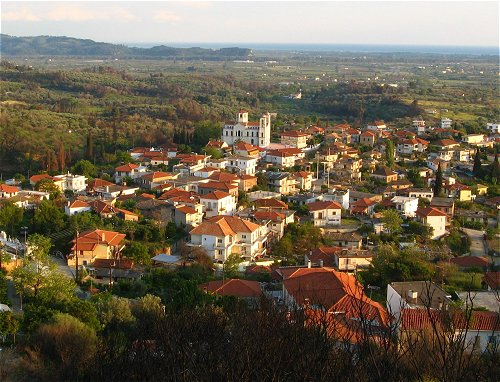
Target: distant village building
point(254, 133)
point(446, 123)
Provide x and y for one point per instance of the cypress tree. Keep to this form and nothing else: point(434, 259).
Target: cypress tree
point(389, 153)
point(495, 170)
point(477, 165)
point(438, 184)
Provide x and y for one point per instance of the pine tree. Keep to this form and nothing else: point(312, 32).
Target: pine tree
point(477, 165)
point(89, 151)
point(438, 184)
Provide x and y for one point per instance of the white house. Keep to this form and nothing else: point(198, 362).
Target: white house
point(493, 128)
point(129, 170)
point(242, 165)
point(434, 218)
point(377, 126)
point(8, 191)
point(325, 213)
point(408, 146)
point(255, 133)
point(76, 207)
point(406, 205)
point(75, 183)
point(284, 157)
point(222, 236)
point(424, 193)
point(473, 139)
point(218, 203)
point(446, 123)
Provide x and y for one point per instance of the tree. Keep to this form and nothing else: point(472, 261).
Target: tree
point(9, 324)
point(213, 152)
point(48, 185)
point(48, 218)
point(85, 168)
point(438, 183)
point(392, 221)
point(139, 252)
point(476, 169)
point(415, 178)
point(67, 345)
point(11, 217)
point(495, 170)
point(38, 277)
point(389, 153)
point(114, 311)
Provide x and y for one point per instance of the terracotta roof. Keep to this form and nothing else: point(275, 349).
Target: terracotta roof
point(218, 185)
point(367, 134)
point(174, 192)
point(216, 195)
point(126, 212)
point(147, 196)
point(90, 239)
point(8, 189)
point(303, 174)
point(353, 131)
point(269, 215)
point(429, 211)
point(79, 204)
point(326, 254)
point(287, 152)
point(492, 279)
point(39, 177)
point(418, 319)
point(216, 144)
point(156, 175)
point(364, 202)
point(336, 291)
point(270, 203)
point(471, 261)
point(384, 171)
point(446, 142)
point(245, 146)
point(223, 176)
point(186, 210)
point(127, 167)
point(224, 226)
point(99, 183)
point(318, 206)
point(233, 287)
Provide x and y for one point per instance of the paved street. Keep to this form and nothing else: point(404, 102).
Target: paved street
point(477, 247)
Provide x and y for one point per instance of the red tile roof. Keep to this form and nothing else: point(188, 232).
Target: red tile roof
point(471, 261)
point(233, 287)
point(294, 133)
point(223, 176)
point(318, 206)
point(216, 195)
point(336, 291)
point(90, 239)
point(79, 204)
point(39, 177)
point(418, 319)
point(224, 226)
point(270, 203)
point(127, 167)
point(8, 189)
point(492, 279)
point(429, 211)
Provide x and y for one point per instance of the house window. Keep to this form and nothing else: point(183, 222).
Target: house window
point(244, 236)
point(219, 241)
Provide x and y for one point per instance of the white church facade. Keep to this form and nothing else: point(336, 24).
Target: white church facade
point(254, 133)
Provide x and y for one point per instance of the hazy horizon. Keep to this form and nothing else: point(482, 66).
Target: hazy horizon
point(413, 23)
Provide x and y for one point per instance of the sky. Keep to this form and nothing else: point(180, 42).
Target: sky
point(456, 23)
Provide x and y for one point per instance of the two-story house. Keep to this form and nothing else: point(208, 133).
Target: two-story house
point(218, 203)
point(96, 244)
point(433, 218)
point(222, 236)
point(297, 139)
point(325, 213)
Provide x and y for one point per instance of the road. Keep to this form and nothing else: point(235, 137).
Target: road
point(478, 246)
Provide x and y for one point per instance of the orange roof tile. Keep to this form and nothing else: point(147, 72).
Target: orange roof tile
point(233, 287)
point(127, 167)
point(318, 206)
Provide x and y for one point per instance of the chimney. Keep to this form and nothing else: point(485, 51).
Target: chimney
point(309, 264)
point(107, 188)
point(103, 236)
point(321, 263)
point(412, 295)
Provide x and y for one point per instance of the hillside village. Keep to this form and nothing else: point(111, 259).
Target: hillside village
point(376, 225)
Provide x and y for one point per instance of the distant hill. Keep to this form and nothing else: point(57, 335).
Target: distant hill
point(68, 46)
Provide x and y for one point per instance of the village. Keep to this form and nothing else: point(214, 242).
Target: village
point(363, 195)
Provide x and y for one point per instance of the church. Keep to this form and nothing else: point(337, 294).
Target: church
point(254, 133)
